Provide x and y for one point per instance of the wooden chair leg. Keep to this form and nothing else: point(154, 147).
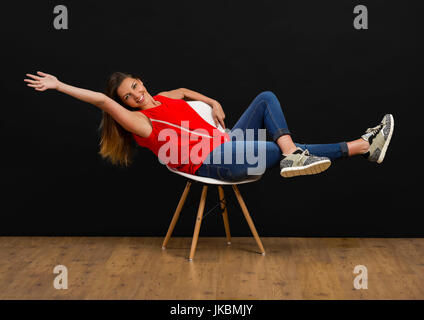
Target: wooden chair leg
point(198, 221)
point(176, 214)
point(248, 218)
point(224, 213)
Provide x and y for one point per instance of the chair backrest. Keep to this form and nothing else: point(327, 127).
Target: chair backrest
point(205, 111)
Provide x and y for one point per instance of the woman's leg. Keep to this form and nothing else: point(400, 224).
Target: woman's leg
point(331, 150)
point(337, 150)
point(237, 160)
point(265, 113)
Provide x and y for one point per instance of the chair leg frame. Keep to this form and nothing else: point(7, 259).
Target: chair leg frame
point(224, 214)
point(198, 221)
point(176, 214)
point(248, 218)
point(200, 216)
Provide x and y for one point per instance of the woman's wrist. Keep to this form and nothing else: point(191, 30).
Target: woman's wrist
point(59, 86)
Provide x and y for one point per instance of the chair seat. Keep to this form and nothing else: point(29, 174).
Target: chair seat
point(212, 180)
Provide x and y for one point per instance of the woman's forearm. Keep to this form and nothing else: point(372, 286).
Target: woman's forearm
point(92, 97)
point(193, 95)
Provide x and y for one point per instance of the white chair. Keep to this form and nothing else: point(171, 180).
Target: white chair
point(205, 112)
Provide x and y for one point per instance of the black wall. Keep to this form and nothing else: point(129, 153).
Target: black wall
point(333, 82)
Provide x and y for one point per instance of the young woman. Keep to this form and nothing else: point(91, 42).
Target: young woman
point(130, 112)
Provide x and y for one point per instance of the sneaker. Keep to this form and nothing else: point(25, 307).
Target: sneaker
point(379, 139)
point(301, 163)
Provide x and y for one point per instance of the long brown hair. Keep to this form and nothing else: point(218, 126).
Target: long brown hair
point(116, 143)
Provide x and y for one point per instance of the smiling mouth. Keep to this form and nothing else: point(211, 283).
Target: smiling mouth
point(141, 99)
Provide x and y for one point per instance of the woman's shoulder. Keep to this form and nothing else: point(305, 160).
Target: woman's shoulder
point(165, 96)
point(160, 96)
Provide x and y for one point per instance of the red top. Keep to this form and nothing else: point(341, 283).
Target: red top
point(180, 138)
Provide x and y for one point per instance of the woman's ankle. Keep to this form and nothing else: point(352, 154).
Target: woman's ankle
point(289, 150)
point(286, 144)
point(359, 146)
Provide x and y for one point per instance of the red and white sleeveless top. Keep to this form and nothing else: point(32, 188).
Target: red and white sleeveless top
point(180, 138)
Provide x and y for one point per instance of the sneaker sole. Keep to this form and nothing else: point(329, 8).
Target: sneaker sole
point(386, 144)
point(313, 168)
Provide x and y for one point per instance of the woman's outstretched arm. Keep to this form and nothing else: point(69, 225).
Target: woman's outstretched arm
point(131, 121)
point(47, 81)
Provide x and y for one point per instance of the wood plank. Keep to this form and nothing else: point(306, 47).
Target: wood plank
point(138, 268)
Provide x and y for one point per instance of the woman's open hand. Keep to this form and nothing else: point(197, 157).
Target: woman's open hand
point(42, 82)
point(218, 114)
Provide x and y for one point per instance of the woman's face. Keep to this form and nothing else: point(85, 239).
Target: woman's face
point(133, 93)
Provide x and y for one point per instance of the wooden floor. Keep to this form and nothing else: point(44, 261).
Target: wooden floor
point(137, 268)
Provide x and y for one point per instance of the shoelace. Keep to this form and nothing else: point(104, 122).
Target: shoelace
point(305, 153)
point(375, 129)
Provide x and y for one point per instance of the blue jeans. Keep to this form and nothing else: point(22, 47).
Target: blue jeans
point(238, 159)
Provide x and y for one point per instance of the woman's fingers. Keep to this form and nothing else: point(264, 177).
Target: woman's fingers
point(35, 85)
point(218, 117)
point(42, 73)
point(33, 76)
point(221, 121)
point(31, 81)
point(221, 117)
point(215, 119)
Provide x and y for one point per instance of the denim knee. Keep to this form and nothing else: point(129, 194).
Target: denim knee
point(267, 95)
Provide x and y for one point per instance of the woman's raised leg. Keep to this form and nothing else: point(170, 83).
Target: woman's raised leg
point(372, 144)
point(295, 159)
point(265, 112)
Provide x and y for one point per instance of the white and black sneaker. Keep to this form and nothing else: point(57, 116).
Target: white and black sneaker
point(379, 139)
point(301, 163)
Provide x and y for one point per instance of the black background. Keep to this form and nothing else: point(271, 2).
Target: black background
point(333, 82)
